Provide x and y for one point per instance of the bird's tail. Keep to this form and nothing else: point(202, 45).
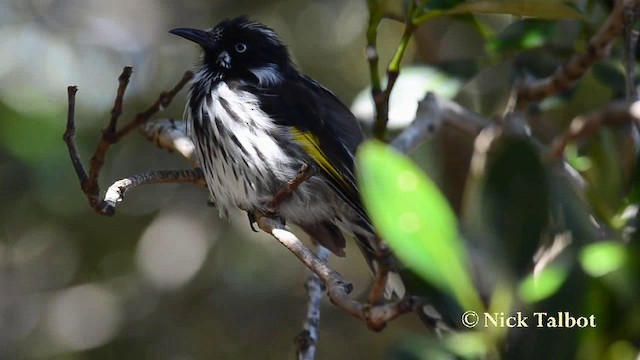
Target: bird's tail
point(395, 287)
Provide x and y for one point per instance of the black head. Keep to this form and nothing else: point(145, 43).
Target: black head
point(240, 48)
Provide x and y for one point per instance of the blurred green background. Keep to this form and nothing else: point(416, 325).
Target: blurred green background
point(164, 278)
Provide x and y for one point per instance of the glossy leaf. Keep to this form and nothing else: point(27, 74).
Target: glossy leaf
point(538, 287)
point(415, 219)
point(543, 9)
point(515, 202)
point(605, 191)
point(602, 258)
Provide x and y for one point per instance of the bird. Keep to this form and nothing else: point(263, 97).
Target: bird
point(256, 120)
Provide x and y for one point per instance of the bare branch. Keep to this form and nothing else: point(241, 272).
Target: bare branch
point(91, 187)
point(382, 268)
point(373, 57)
point(566, 76)
point(117, 190)
point(123, 82)
point(69, 137)
point(338, 289)
point(89, 183)
point(616, 113)
point(307, 339)
point(381, 97)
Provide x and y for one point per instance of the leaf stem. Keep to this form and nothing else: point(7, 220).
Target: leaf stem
point(375, 16)
point(380, 97)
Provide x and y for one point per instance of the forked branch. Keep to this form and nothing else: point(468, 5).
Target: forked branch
point(338, 289)
point(110, 135)
point(565, 77)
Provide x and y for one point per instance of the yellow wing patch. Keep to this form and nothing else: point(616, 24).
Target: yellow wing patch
point(311, 146)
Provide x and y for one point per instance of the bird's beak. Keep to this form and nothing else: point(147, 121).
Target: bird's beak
point(199, 37)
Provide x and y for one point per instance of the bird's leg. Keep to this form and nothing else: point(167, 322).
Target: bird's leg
point(383, 262)
point(304, 174)
point(271, 208)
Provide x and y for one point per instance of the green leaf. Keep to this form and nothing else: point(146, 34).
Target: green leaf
point(602, 258)
point(542, 285)
point(414, 218)
point(606, 190)
point(543, 9)
point(569, 212)
point(515, 202)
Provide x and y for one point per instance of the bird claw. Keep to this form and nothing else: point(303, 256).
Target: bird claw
point(252, 220)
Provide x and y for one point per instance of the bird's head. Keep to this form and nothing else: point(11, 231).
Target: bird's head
point(241, 49)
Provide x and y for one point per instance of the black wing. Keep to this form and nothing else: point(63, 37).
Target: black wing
point(323, 126)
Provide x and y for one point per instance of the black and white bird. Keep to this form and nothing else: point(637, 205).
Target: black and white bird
point(255, 120)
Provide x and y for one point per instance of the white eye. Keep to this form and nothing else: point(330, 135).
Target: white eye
point(240, 47)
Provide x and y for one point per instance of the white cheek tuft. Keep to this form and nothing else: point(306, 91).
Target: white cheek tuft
point(267, 75)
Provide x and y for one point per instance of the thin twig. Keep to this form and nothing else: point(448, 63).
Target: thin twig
point(307, 340)
point(338, 288)
point(566, 76)
point(381, 97)
point(69, 137)
point(123, 82)
point(373, 57)
point(115, 193)
point(383, 260)
point(616, 113)
point(91, 187)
